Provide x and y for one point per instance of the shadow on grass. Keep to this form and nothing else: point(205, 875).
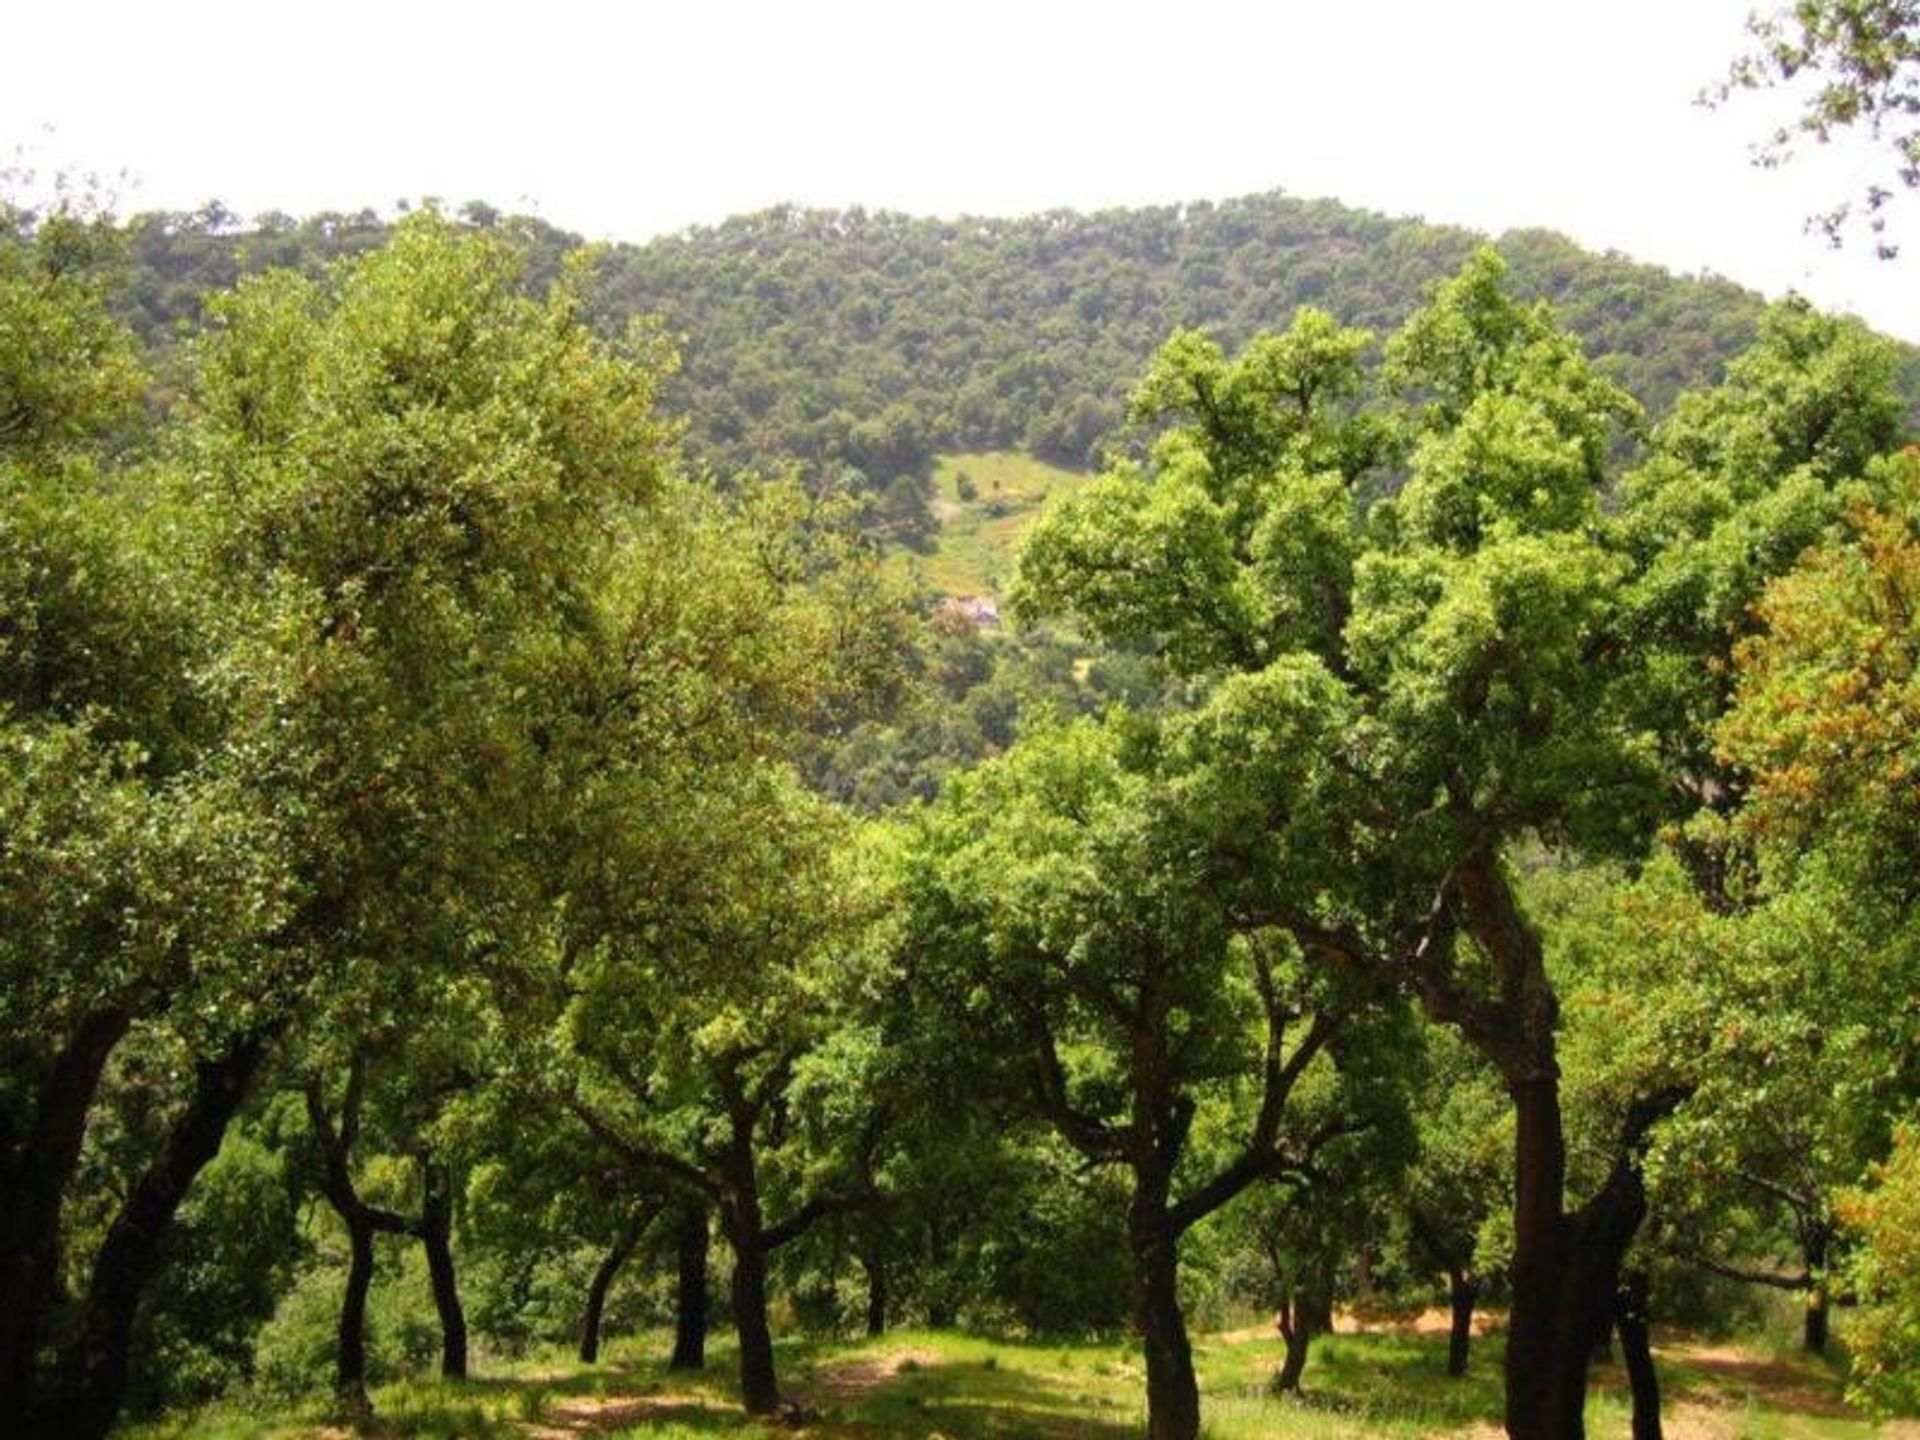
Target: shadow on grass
point(962, 1399)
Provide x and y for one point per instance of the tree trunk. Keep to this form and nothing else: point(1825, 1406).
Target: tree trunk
point(874, 1261)
point(1298, 1339)
point(759, 1385)
point(941, 1311)
point(1463, 1293)
point(436, 1236)
point(350, 1336)
point(1630, 1316)
point(1551, 1323)
point(1173, 1395)
point(1813, 1334)
point(623, 1245)
point(363, 1221)
point(96, 1366)
point(33, 1183)
point(690, 1300)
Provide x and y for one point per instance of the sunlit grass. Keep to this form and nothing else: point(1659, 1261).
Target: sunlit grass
point(984, 501)
point(916, 1384)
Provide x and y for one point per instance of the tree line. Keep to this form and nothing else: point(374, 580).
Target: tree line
point(1455, 836)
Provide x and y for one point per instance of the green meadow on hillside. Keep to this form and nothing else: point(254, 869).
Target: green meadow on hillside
point(983, 501)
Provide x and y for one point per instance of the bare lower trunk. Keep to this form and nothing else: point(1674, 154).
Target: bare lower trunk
point(1463, 1293)
point(34, 1175)
point(1551, 1323)
point(96, 1366)
point(1630, 1318)
point(690, 1300)
point(873, 1261)
point(1813, 1333)
point(603, 1278)
point(436, 1236)
point(350, 1334)
point(759, 1384)
point(1173, 1395)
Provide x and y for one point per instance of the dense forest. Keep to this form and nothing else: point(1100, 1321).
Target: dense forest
point(867, 342)
point(492, 841)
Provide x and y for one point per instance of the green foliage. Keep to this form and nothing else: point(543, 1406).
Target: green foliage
point(1855, 64)
point(1885, 1214)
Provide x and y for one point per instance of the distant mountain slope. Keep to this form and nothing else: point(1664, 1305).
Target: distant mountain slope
point(870, 341)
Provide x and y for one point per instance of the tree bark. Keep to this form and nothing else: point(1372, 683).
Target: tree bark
point(1173, 1395)
point(759, 1384)
point(690, 1299)
point(1298, 1337)
point(610, 1265)
point(873, 1260)
point(1813, 1334)
point(363, 1222)
point(1463, 1293)
point(1551, 1323)
point(35, 1173)
point(1630, 1317)
point(350, 1335)
point(436, 1237)
point(96, 1367)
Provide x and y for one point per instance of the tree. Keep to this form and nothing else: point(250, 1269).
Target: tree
point(1857, 66)
point(1466, 624)
point(139, 879)
point(1065, 917)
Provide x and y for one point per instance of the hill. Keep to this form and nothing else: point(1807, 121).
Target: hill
point(864, 343)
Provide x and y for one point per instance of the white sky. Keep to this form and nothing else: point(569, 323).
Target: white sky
point(625, 120)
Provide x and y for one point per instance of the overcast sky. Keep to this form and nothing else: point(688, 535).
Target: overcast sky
point(625, 120)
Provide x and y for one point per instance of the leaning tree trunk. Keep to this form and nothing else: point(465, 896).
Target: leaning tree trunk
point(1173, 1395)
point(96, 1366)
point(33, 1182)
point(690, 1297)
point(1630, 1316)
point(610, 1265)
point(1463, 1293)
point(436, 1237)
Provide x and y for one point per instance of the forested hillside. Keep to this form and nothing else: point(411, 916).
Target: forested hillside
point(868, 341)
point(493, 885)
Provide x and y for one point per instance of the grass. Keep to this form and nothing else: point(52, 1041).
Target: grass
point(983, 502)
point(922, 1384)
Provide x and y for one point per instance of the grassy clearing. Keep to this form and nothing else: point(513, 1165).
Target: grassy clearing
point(922, 1385)
point(983, 502)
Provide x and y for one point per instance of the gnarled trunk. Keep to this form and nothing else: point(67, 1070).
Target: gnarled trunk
point(690, 1297)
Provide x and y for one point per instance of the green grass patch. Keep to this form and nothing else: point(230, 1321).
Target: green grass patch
point(984, 501)
point(910, 1385)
